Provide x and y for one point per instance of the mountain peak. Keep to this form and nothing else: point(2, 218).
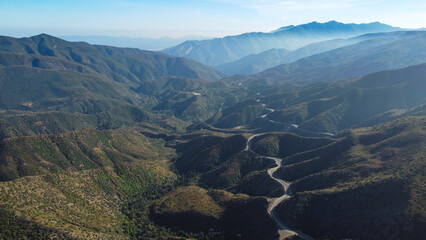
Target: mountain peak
point(313, 23)
point(335, 25)
point(43, 35)
point(46, 37)
point(283, 28)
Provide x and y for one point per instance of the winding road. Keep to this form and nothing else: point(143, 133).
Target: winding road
point(283, 230)
point(265, 116)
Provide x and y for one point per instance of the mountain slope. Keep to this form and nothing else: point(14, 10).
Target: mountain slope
point(19, 124)
point(74, 151)
point(223, 50)
point(77, 183)
point(346, 104)
point(369, 184)
point(238, 114)
point(28, 88)
point(195, 209)
point(255, 63)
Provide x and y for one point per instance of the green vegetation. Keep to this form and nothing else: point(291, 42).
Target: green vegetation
point(59, 90)
point(17, 124)
point(14, 227)
point(80, 203)
point(79, 77)
point(86, 204)
point(188, 98)
point(73, 151)
point(78, 182)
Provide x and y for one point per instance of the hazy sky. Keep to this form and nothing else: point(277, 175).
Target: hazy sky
point(176, 18)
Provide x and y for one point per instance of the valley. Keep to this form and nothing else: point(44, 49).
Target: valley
point(314, 131)
point(284, 231)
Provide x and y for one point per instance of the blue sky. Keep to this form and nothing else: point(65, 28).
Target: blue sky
point(176, 18)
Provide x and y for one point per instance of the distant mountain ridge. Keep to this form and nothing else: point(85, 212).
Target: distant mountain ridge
point(144, 43)
point(222, 50)
point(385, 51)
point(131, 63)
point(45, 73)
point(255, 63)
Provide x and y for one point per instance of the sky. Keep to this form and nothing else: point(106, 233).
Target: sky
point(178, 18)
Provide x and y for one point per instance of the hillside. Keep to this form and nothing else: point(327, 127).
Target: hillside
point(369, 184)
point(195, 209)
point(214, 160)
point(388, 116)
point(22, 123)
point(238, 114)
point(77, 183)
point(219, 51)
point(357, 101)
point(59, 90)
point(189, 99)
point(206, 152)
point(74, 151)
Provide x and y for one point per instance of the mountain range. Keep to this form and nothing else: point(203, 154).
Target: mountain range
point(256, 63)
point(145, 43)
point(101, 142)
point(219, 51)
point(79, 77)
point(385, 51)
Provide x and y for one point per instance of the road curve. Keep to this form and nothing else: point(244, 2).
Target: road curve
point(265, 116)
point(283, 230)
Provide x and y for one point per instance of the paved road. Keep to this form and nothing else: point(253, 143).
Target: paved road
point(284, 231)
